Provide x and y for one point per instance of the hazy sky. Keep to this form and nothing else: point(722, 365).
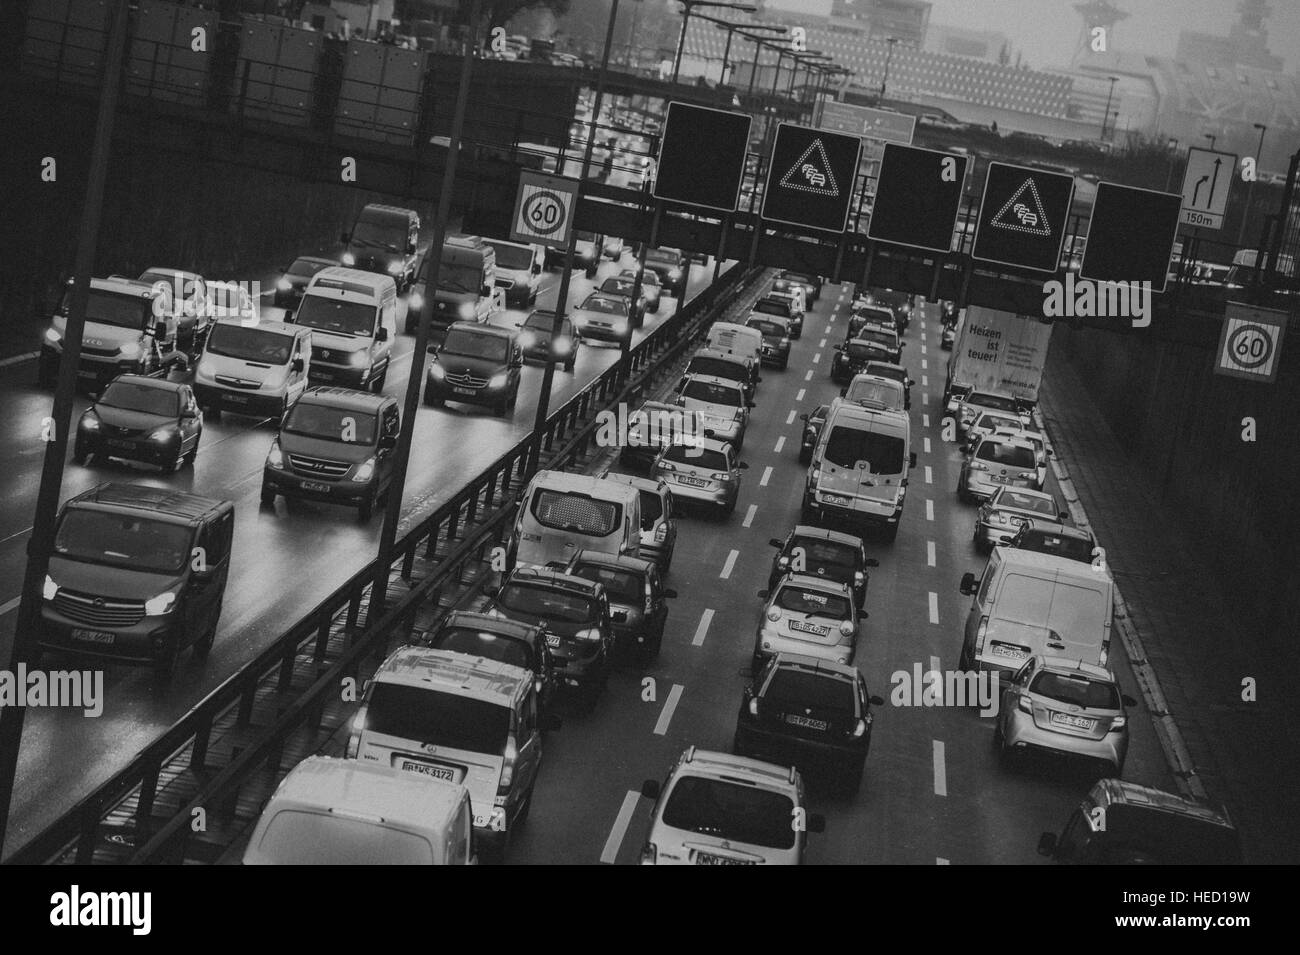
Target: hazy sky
point(1046, 30)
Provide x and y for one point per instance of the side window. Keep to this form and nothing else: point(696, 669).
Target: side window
point(216, 538)
point(391, 421)
point(528, 718)
point(986, 585)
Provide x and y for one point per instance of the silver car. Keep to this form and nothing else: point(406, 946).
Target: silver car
point(721, 403)
point(708, 474)
point(1062, 706)
point(1009, 509)
point(996, 462)
point(807, 615)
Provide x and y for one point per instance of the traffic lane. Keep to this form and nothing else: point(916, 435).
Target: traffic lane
point(322, 543)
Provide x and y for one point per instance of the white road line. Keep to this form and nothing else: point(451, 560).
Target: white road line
point(822, 343)
point(702, 630)
point(670, 705)
point(609, 854)
point(925, 381)
point(940, 774)
point(937, 678)
point(802, 392)
point(929, 510)
point(929, 554)
point(927, 445)
point(929, 474)
point(780, 443)
point(10, 605)
point(925, 421)
point(817, 357)
point(923, 348)
point(767, 476)
point(730, 565)
point(789, 419)
point(925, 364)
point(808, 377)
point(925, 397)
point(749, 515)
point(940, 860)
point(934, 607)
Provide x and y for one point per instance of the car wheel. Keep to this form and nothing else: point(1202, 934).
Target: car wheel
point(188, 459)
point(366, 508)
point(268, 496)
point(805, 455)
point(431, 399)
point(851, 782)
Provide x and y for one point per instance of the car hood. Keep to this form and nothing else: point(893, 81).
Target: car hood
point(725, 412)
point(118, 583)
point(468, 364)
point(303, 444)
point(131, 420)
point(561, 628)
point(337, 344)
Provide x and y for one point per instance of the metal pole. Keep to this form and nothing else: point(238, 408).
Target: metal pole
point(562, 297)
point(393, 506)
point(681, 38)
point(41, 544)
point(726, 52)
point(753, 70)
point(1105, 116)
point(1250, 189)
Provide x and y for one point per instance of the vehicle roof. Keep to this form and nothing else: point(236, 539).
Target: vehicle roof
point(315, 258)
point(123, 286)
point(388, 210)
point(475, 328)
point(821, 666)
point(638, 482)
point(822, 533)
point(632, 564)
point(371, 791)
point(742, 769)
point(589, 484)
point(162, 502)
point(1048, 563)
point(1067, 665)
point(811, 582)
point(278, 328)
point(1056, 527)
point(483, 621)
point(343, 281)
point(557, 579)
point(1032, 492)
point(842, 409)
point(721, 354)
point(714, 380)
point(1122, 792)
point(729, 327)
point(455, 672)
point(162, 384)
point(183, 273)
point(335, 397)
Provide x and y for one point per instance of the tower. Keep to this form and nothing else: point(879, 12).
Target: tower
point(1096, 13)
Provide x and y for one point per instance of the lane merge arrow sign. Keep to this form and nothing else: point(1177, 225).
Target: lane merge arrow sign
point(1206, 185)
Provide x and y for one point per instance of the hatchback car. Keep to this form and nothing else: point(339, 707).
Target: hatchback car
point(724, 364)
point(539, 342)
point(518, 644)
point(142, 419)
point(651, 289)
point(852, 358)
point(658, 525)
point(622, 286)
point(780, 306)
point(1049, 537)
point(603, 317)
point(653, 427)
point(977, 402)
point(1002, 515)
point(811, 284)
point(798, 305)
point(719, 809)
point(776, 339)
point(708, 474)
point(894, 372)
point(1064, 707)
point(823, 553)
point(295, 279)
point(886, 337)
point(807, 615)
point(989, 422)
point(809, 713)
point(638, 600)
point(996, 462)
point(812, 430)
point(721, 403)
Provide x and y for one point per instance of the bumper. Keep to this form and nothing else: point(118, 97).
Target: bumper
point(130, 449)
point(718, 496)
point(1022, 734)
point(240, 402)
point(338, 492)
point(850, 515)
point(834, 653)
point(774, 359)
point(991, 535)
point(434, 388)
point(601, 334)
point(577, 673)
point(807, 755)
point(982, 487)
point(145, 642)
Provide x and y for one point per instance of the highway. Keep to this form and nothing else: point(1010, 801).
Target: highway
point(285, 559)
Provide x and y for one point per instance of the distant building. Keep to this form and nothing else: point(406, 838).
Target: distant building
point(905, 20)
point(1245, 45)
point(974, 44)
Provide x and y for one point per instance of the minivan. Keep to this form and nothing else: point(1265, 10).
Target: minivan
point(354, 316)
point(257, 369)
point(137, 575)
point(1029, 603)
point(858, 474)
point(345, 812)
point(475, 364)
point(737, 339)
point(384, 240)
point(466, 292)
point(519, 271)
point(561, 514)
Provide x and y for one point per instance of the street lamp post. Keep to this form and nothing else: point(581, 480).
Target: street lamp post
point(889, 58)
point(1172, 147)
point(732, 29)
point(688, 6)
point(1212, 138)
point(1250, 189)
point(1105, 116)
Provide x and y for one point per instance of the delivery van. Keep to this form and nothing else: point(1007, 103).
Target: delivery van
point(384, 240)
point(466, 292)
point(519, 271)
point(1028, 603)
point(737, 339)
point(257, 369)
point(353, 316)
point(561, 514)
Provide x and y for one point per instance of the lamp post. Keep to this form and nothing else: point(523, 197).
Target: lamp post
point(688, 6)
point(889, 58)
point(1172, 146)
point(1105, 114)
point(1212, 138)
point(732, 29)
point(1250, 189)
point(807, 60)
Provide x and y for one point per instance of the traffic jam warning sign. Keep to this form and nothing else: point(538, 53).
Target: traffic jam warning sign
point(1205, 187)
point(544, 209)
point(1250, 346)
point(810, 179)
point(918, 197)
point(1022, 217)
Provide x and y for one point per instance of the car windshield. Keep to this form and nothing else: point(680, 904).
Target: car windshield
point(883, 452)
point(380, 235)
point(131, 396)
point(328, 423)
point(714, 393)
point(773, 307)
point(1021, 501)
point(859, 350)
point(606, 304)
point(885, 338)
point(1060, 607)
point(123, 540)
point(768, 329)
point(309, 837)
point(617, 286)
point(456, 277)
point(426, 715)
point(1076, 689)
point(548, 602)
point(985, 400)
point(718, 368)
point(991, 422)
point(483, 643)
point(545, 321)
point(702, 458)
point(576, 513)
point(663, 257)
point(648, 277)
point(472, 344)
point(306, 267)
point(814, 603)
point(622, 586)
point(249, 343)
point(333, 315)
point(1063, 545)
point(879, 392)
point(111, 308)
point(1011, 455)
point(731, 811)
point(824, 553)
point(585, 236)
point(793, 686)
point(515, 257)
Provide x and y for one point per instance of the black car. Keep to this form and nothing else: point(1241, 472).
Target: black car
point(809, 713)
point(476, 364)
point(723, 364)
point(900, 303)
point(823, 553)
point(812, 430)
point(297, 274)
point(588, 250)
point(142, 419)
point(672, 268)
point(537, 340)
point(852, 358)
point(622, 286)
point(812, 284)
point(884, 336)
point(651, 290)
point(947, 338)
point(1050, 537)
point(482, 635)
point(638, 600)
point(776, 339)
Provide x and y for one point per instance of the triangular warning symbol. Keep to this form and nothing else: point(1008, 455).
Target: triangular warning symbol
point(1019, 216)
point(807, 175)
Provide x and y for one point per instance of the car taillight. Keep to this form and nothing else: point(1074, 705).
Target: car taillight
point(753, 706)
point(859, 729)
point(1024, 704)
point(981, 633)
point(661, 533)
point(508, 767)
point(1105, 652)
point(354, 740)
point(773, 614)
point(977, 466)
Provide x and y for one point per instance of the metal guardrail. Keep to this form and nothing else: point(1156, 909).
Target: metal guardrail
point(484, 503)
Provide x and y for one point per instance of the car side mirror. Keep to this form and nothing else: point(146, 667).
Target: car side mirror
point(669, 593)
point(742, 466)
point(1064, 516)
point(484, 291)
point(911, 459)
point(619, 616)
point(387, 441)
point(537, 268)
point(776, 542)
point(650, 789)
point(762, 594)
point(381, 333)
point(911, 382)
point(968, 583)
point(434, 349)
point(816, 822)
point(1047, 844)
point(297, 365)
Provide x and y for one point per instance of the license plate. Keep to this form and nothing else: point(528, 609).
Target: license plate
point(835, 499)
point(464, 391)
point(1001, 479)
point(1001, 650)
point(708, 858)
point(315, 486)
point(429, 769)
point(552, 640)
point(809, 628)
point(237, 399)
point(93, 636)
point(116, 443)
point(691, 481)
point(796, 720)
point(1077, 722)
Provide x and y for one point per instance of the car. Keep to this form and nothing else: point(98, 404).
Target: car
point(475, 364)
point(776, 339)
point(540, 343)
point(852, 357)
point(651, 289)
point(653, 427)
point(872, 391)
point(722, 405)
point(252, 369)
point(638, 600)
point(604, 317)
point(193, 305)
point(139, 418)
point(1051, 537)
point(612, 246)
point(295, 278)
point(622, 287)
point(885, 337)
point(812, 429)
point(947, 338)
point(518, 271)
point(1026, 433)
point(812, 284)
point(781, 307)
point(808, 615)
point(724, 364)
point(822, 553)
point(900, 303)
point(811, 714)
point(708, 474)
point(993, 463)
point(588, 249)
point(1002, 515)
point(977, 403)
point(1064, 707)
point(658, 525)
point(888, 369)
point(987, 422)
point(860, 316)
point(798, 306)
point(718, 809)
point(672, 267)
point(492, 638)
point(576, 615)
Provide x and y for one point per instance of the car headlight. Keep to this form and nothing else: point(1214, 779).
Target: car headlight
point(52, 336)
point(436, 371)
point(284, 284)
point(498, 380)
point(129, 349)
point(847, 628)
point(620, 326)
point(466, 311)
point(275, 457)
point(394, 268)
point(163, 435)
point(414, 301)
point(349, 259)
point(163, 603)
point(591, 635)
point(674, 274)
point(90, 421)
point(859, 577)
point(527, 339)
point(563, 346)
point(50, 588)
point(365, 470)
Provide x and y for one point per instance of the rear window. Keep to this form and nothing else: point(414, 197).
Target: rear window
point(1026, 502)
point(879, 392)
point(984, 400)
point(621, 585)
point(812, 602)
point(1012, 455)
point(845, 447)
point(605, 304)
point(1062, 545)
point(769, 329)
point(991, 421)
point(576, 513)
point(1059, 607)
point(714, 393)
point(819, 553)
point(550, 602)
point(482, 643)
point(1076, 690)
point(731, 811)
point(718, 368)
point(773, 307)
point(652, 508)
point(425, 715)
point(702, 458)
point(302, 837)
point(795, 686)
point(862, 350)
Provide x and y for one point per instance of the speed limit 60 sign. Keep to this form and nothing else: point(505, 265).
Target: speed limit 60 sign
point(544, 209)
point(1251, 344)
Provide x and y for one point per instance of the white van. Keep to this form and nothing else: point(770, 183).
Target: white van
point(354, 317)
point(858, 474)
point(737, 339)
point(259, 369)
point(519, 271)
point(1029, 603)
point(561, 514)
point(344, 812)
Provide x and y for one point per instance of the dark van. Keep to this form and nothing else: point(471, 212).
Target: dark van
point(384, 240)
point(137, 575)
